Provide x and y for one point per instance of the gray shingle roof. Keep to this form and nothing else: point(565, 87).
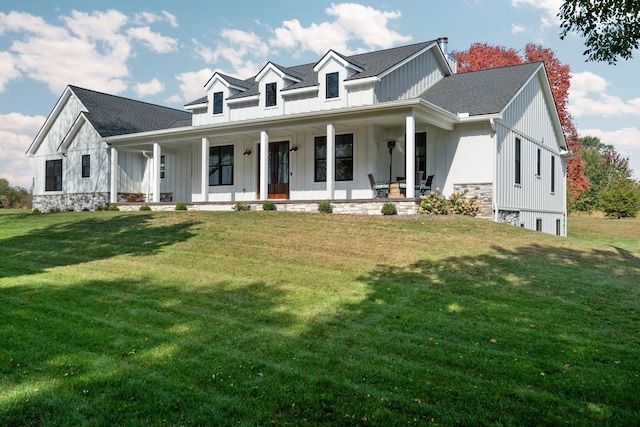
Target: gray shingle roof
point(113, 115)
point(372, 63)
point(480, 92)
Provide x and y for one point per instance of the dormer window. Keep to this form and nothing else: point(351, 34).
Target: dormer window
point(270, 94)
point(333, 90)
point(217, 103)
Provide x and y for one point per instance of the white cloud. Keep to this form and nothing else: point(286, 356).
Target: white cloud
point(550, 9)
point(517, 29)
point(16, 133)
point(152, 87)
point(353, 22)
point(88, 49)
point(171, 19)
point(588, 97)
point(144, 18)
point(237, 45)
point(191, 85)
point(8, 69)
point(155, 41)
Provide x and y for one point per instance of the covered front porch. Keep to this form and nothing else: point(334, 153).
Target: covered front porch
point(306, 158)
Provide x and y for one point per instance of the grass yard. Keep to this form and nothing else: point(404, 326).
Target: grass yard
point(263, 318)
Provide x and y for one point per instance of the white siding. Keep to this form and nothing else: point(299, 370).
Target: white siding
point(411, 79)
point(529, 120)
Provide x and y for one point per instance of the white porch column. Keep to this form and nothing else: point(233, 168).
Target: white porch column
point(204, 178)
point(410, 149)
point(331, 160)
point(264, 165)
point(156, 172)
point(114, 176)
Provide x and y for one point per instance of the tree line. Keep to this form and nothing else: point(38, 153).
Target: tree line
point(12, 197)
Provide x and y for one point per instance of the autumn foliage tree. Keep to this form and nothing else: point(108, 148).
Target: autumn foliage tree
point(482, 56)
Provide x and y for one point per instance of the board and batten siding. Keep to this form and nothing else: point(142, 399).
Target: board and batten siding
point(410, 80)
point(529, 119)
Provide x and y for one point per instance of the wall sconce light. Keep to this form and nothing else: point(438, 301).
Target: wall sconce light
point(294, 148)
point(247, 152)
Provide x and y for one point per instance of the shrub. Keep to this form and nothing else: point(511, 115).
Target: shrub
point(457, 204)
point(86, 209)
point(181, 206)
point(35, 211)
point(621, 199)
point(269, 205)
point(389, 209)
point(99, 208)
point(54, 210)
point(145, 208)
point(325, 206)
point(241, 207)
point(113, 208)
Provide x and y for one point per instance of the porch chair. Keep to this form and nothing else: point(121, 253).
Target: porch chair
point(378, 187)
point(426, 186)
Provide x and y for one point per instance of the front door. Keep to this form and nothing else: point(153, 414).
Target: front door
point(278, 170)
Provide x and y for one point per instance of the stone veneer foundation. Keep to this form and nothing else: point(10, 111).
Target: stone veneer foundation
point(485, 197)
point(72, 201)
point(509, 217)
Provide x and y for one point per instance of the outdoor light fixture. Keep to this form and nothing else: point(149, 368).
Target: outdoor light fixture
point(247, 152)
point(294, 148)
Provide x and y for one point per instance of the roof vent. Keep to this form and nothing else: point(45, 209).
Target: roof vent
point(443, 42)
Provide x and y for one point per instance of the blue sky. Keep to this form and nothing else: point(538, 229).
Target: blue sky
point(164, 52)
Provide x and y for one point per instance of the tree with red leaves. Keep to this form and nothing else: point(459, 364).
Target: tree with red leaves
point(481, 56)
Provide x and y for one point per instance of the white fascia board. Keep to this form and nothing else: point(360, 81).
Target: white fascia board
point(243, 99)
point(46, 127)
point(548, 96)
point(72, 132)
point(360, 82)
point(409, 59)
point(196, 106)
point(490, 118)
point(332, 55)
point(218, 77)
point(290, 92)
point(272, 67)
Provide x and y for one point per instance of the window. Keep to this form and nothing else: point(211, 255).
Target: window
point(558, 227)
point(517, 162)
point(553, 174)
point(270, 95)
point(333, 90)
point(161, 167)
point(86, 166)
point(538, 224)
point(217, 103)
point(421, 153)
point(53, 172)
point(538, 167)
point(344, 158)
point(221, 165)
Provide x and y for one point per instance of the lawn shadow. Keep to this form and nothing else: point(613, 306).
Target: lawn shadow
point(460, 340)
point(91, 239)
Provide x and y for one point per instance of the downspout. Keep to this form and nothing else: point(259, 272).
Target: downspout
point(494, 189)
point(146, 172)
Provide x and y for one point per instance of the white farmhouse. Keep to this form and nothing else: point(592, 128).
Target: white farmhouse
point(312, 132)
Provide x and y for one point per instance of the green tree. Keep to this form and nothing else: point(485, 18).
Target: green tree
point(621, 198)
point(611, 28)
point(13, 197)
point(603, 166)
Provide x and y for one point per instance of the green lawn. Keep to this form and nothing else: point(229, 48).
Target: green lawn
point(267, 318)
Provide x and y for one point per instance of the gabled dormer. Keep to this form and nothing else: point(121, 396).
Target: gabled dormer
point(219, 88)
point(333, 69)
point(271, 80)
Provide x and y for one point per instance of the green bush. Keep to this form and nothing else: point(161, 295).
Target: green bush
point(325, 206)
point(269, 205)
point(621, 199)
point(241, 207)
point(54, 210)
point(146, 208)
point(86, 209)
point(113, 208)
point(457, 204)
point(35, 211)
point(389, 209)
point(181, 206)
